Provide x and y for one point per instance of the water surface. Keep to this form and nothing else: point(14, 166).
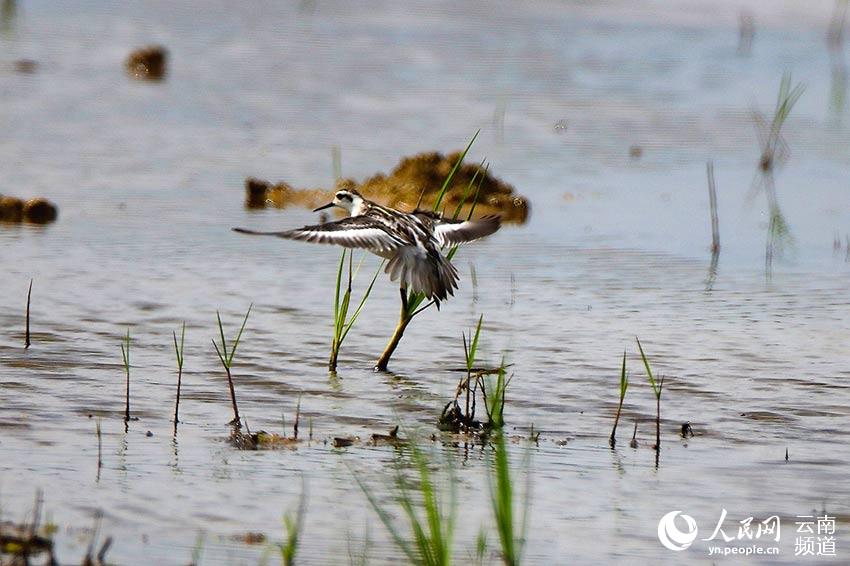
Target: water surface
point(148, 178)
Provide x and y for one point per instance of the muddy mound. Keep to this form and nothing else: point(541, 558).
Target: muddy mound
point(36, 210)
point(148, 63)
point(415, 177)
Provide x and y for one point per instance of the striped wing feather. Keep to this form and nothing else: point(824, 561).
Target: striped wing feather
point(449, 233)
point(351, 232)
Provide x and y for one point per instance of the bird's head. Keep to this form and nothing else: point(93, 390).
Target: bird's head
point(347, 199)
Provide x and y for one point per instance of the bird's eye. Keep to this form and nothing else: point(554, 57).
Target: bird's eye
point(343, 196)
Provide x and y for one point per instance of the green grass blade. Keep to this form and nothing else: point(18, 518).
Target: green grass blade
point(649, 374)
point(452, 253)
point(477, 192)
point(182, 341)
point(220, 357)
point(523, 533)
point(176, 348)
point(449, 522)
point(388, 521)
point(359, 264)
point(338, 285)
point(468, 190)
point(293, 526)
point(422, 546)
point(451, 174)
point(431, 525)
point(432, 508)
point(785, 101)
point(502, 500)
point(480, 547)
point(339, 331)
point(346, 297)
point(125, 353)
point(362, 303)
point(473, 348)
point(455, 249)
point(239, 336)
point(414, 300)
point(624, 379)
point(223, 341)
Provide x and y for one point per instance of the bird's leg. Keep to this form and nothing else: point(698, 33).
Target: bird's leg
point(403, 320)
point(403, 291)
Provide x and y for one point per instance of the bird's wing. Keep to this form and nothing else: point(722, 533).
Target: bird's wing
point(449, 233)
point(351, 232)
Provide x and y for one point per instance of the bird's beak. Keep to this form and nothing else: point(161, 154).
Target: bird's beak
point(330, 204)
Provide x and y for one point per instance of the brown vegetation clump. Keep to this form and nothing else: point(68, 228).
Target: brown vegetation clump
point(255, 192)
point(148, 63)
point(415, 177)
point(259, 194)
point(11, 209)
point(37, 210)
point(25, 66)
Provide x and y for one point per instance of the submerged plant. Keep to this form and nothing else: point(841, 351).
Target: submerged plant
point(624, 386)
point(470, 351)
point(226, 355)
point(430, 520)
point(453, 417)
point(343, 324)
point(492, 382)
point(412, 302)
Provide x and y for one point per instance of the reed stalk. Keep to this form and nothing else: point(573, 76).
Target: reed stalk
point(624, 386)
point(178, 351)
point(125, 355)
point(226, 355)
point(297, 420)
point(99, 448)
point(27, 332)
point(657, 386)
point(712, 198)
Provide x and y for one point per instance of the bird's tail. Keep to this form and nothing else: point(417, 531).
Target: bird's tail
point(433, 274)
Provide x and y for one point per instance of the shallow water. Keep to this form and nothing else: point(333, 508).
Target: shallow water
point(148, 178)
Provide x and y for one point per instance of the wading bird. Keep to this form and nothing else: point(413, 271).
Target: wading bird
point(410, 241)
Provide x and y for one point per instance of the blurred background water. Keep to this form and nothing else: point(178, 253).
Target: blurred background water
point(148, 179)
